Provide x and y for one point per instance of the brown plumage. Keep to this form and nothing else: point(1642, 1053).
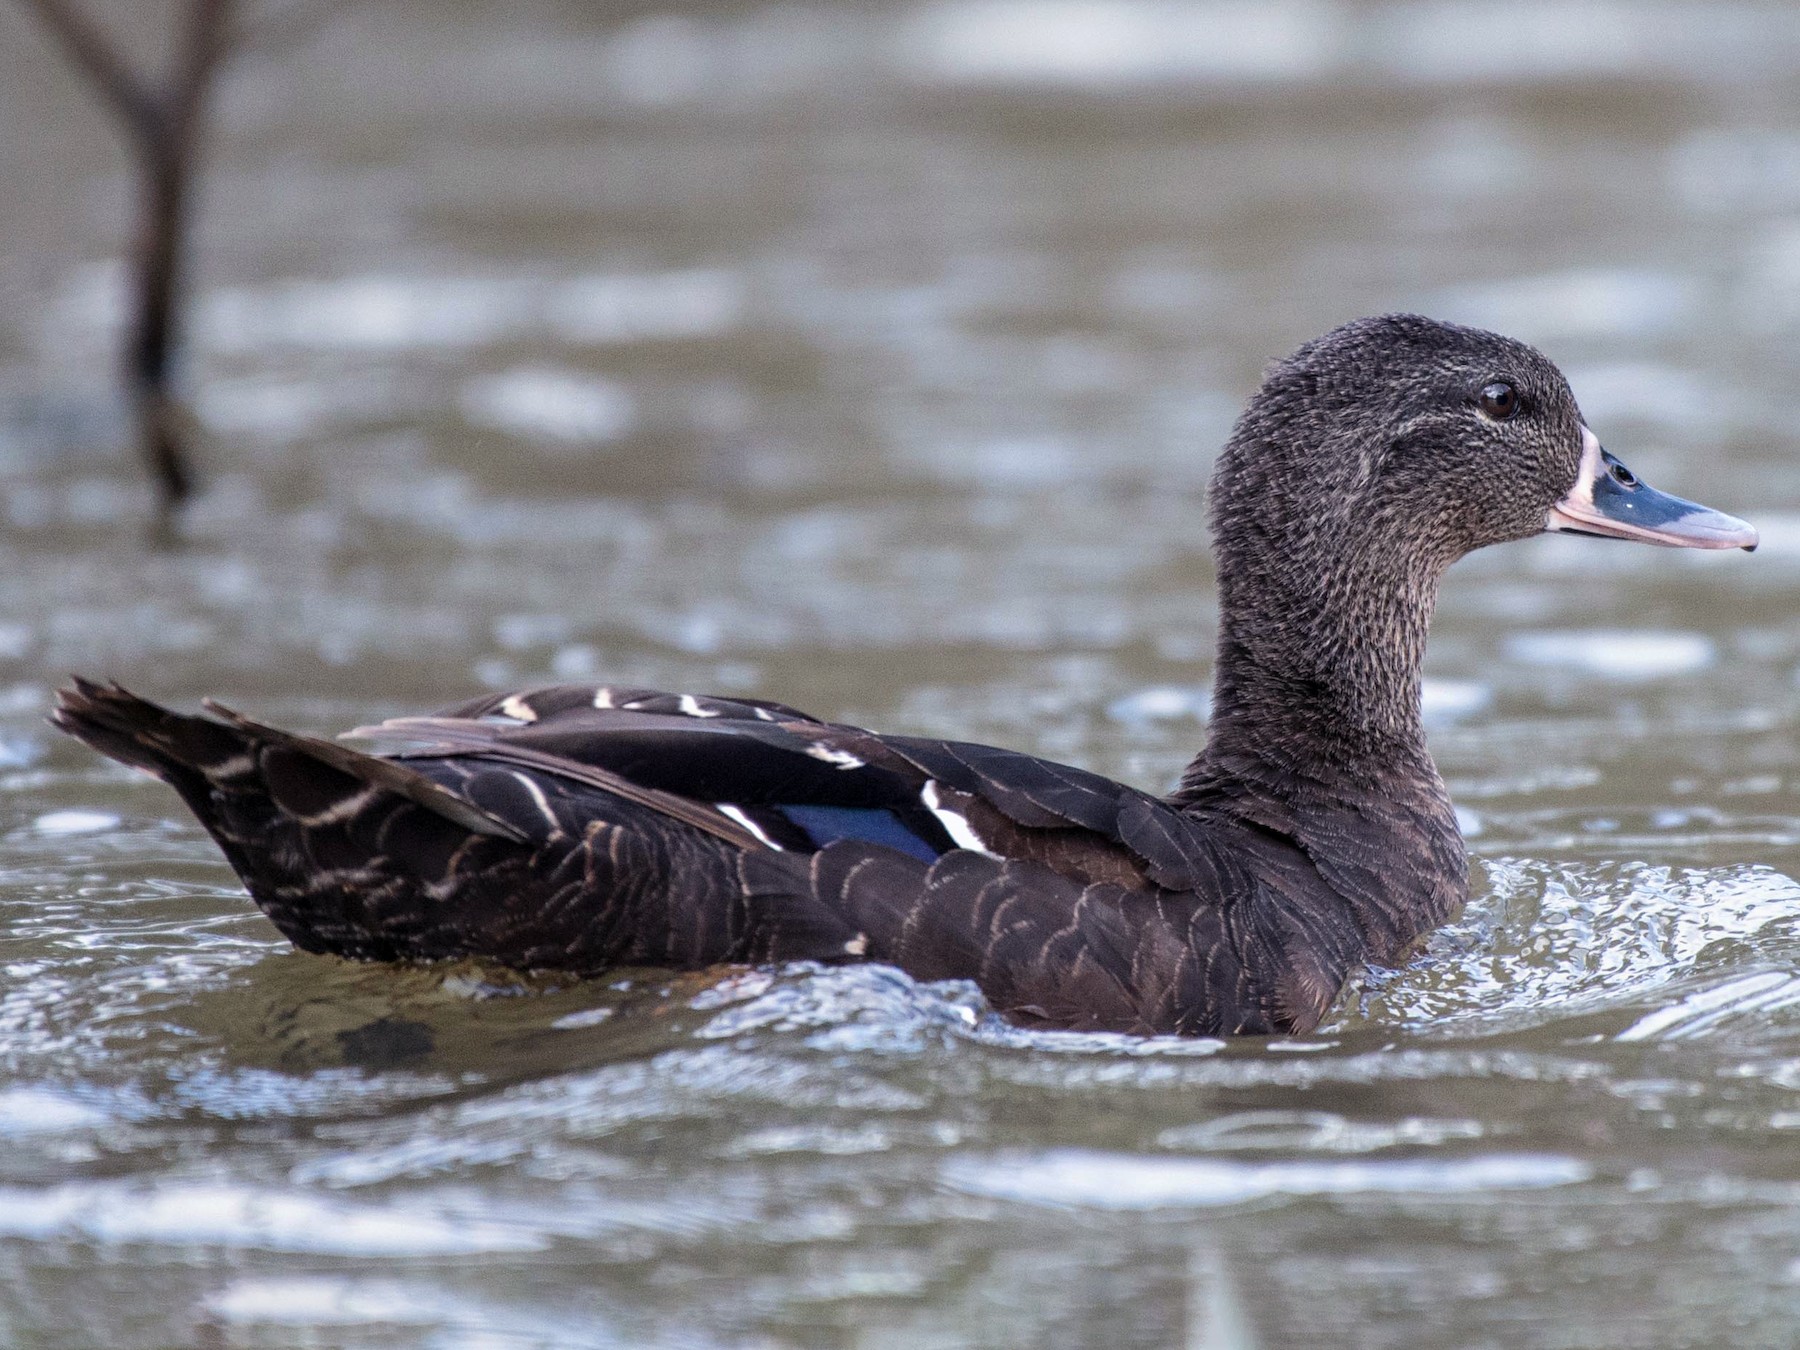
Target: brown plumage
point(581, 827)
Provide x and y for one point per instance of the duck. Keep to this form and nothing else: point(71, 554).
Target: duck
point(585, 827)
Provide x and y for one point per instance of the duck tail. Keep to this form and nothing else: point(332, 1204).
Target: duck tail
point(185, 752)
point(202, 755)
point(326, 838)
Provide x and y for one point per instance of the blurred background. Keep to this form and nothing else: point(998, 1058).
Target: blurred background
point(872, 357)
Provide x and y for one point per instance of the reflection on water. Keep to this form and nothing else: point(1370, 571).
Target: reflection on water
point(872, 358)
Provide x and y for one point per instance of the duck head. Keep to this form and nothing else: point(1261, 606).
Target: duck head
point(1368, 462)
point(1437, 440)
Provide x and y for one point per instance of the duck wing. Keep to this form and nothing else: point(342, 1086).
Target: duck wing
point(762, 774)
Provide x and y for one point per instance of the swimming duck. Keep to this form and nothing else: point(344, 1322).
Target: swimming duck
point(583, 827)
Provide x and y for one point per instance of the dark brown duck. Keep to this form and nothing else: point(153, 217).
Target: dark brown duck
point(579, 827)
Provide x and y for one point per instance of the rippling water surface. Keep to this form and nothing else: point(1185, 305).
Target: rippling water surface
point(872, 357)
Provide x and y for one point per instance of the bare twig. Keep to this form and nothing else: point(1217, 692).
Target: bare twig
point(163, 125)
point(169, 153)
point(163, 121)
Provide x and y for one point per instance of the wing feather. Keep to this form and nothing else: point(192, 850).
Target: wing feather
point(685, 755)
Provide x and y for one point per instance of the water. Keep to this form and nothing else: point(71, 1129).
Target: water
point(872, 358)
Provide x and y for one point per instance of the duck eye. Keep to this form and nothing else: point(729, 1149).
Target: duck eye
point(1499, 400)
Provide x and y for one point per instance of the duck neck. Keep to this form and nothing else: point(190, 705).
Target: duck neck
point(1319, 668)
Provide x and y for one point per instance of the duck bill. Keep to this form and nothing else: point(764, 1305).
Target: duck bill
point(1610, 501)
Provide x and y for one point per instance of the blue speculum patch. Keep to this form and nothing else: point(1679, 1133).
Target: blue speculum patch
point(872, 825)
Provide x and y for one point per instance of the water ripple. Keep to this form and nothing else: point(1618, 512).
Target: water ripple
point(1073, 1177)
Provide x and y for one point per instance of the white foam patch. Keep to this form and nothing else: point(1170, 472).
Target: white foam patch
point(1113, 42)
point(1615, 655)
point(1107, 1045)
point(318, 1310)
point(561, 407)
point(365, 313)
point(32, 1110)
point(245, 1218)
point(1091, 1180)
point(1293, 1131)
point(587, 1017)
point(284, 408)
point(697, 303)
point(324, 1301)
point(75, 822)
point(386, 312)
